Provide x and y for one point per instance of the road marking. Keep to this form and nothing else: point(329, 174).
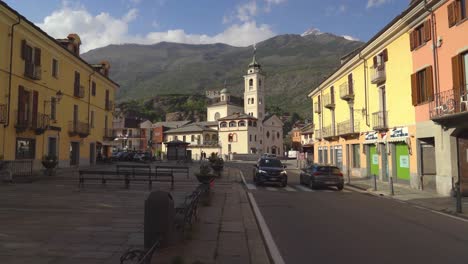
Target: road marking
point(270, 243)
point(290, 189)
point(242, 176)
point(303, 188)
point(271, 189)
point(251, 186)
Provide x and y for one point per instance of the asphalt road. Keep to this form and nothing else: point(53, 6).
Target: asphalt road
point(328, 226)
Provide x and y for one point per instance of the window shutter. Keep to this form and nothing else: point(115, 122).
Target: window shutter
point(23, 49)
point(452, 14)
point(385, 55)
point(21, 103)
point(429, 84)
point(414, 89)
point(427, 30)
point(411, 38)
point(34, 108)
point(456, 75)
point(37, 56)
point(375, 61)
point(350, 83)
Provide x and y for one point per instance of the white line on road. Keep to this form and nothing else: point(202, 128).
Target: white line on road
point(271, 189)
point(242, 176)
point(251, 186)
point(271, 245)
point(303, 188)
point(290, 189)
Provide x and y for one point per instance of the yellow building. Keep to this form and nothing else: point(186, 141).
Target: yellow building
point(363, 114)
point(51, 100)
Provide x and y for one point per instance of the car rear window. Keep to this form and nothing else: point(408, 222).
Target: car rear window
point(329, 169)
point(270, 163)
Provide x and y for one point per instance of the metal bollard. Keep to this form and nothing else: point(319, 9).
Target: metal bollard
point(392, 191)
point(458, 198)
point(375, 182)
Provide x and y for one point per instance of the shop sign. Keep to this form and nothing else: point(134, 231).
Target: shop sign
point(404, 161)
point(371, 136)
point(399, 132)
point(375, 159)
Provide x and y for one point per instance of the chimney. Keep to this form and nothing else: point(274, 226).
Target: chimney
point(74, 43)
point(105, 68)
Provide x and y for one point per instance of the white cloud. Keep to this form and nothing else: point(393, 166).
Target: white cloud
point(103, 29)
point(348, 37)
point(335, 10)
point(375, 3)
point(246, 11)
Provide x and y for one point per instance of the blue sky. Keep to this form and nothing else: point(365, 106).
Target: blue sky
point(235, 22)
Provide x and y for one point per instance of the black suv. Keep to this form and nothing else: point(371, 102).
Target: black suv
point(317, 175)
point(270, 170)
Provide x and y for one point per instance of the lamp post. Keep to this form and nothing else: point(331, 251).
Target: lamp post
point(56, 99)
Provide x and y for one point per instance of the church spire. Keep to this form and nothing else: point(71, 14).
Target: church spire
point(254, 63)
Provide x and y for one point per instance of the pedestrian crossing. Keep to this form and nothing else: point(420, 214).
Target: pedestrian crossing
point(291, 189)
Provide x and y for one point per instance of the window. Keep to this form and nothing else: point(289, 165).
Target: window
point(192, 138)
point(253, 101)
point(217, 116)
point(175, 138)
point(251, 84)
point(378, 61)
point(457, 11)
point(277, 134)
point(422, 86)
point(25, 148)
point(460, 74)
point(242, 123)
point(255, 138)
point(259, 82)
point(53, 108)
point(93, 89)
point(32, 60)
point(232, 137)
point(92, 119)
point(250, 122)
point(250, 138)
point(356, 155)
point(76, 85)
point(268, 134)
point(420, 35)
point(223, 124)
point(184, 138)
point(52, 147)
point(232, 124)
point(55, 68)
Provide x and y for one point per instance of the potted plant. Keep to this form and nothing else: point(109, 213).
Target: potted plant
point(218, 165)
point(204, 176)
point(49, 162)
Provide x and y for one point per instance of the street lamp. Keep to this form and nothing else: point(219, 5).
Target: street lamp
point(56, 99)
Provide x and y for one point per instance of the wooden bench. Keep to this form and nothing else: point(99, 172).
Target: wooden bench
point(188, 210)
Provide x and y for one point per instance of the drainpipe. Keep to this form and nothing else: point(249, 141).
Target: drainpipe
point(366, 98)
point(12, 34)
point(434, 49)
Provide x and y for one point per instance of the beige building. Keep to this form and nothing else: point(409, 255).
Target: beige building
point(223, 105)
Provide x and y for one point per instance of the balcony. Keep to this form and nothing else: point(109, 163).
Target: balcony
point(378, 74)
point(109, 134)
point(211, 143)
point(449, 107)
point(40, 123)
point(317, 108)
point(32, 71)
point(347, 128)
point(328, 133)
point(328, 101)
point(77, 128)
point(347, 91)
point(109, 106)
point(23, 121)
point(3, 114)
point(318, 134)
point(380, 120)
point(79, 91)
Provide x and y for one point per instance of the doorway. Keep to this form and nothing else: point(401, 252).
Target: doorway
point(372, 160)
point(92, 153)
point(462, 144)
point(74, 153)
point(401, 167)
point(383, 154)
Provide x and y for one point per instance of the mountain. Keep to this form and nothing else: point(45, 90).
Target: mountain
point(294, 65)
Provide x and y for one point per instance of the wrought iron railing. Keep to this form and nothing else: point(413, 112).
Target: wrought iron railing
point(109, 105)
point(347, 127)
point(109, 133)
point(78, 128)
point(347, 91)
point(318, 134)
point(380, 120)
point(448, 103)
point(32, 71)
point(79, 91)
point(328, 100)
point(327, 132)
point(378, 74)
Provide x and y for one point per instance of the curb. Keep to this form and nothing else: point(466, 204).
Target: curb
point(449, 213)
point(270, 245)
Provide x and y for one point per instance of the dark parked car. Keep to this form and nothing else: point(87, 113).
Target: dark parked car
point(317, 175)
point(270, 170)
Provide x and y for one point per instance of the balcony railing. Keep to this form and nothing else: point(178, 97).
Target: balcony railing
point(378, 74)
point(318, 134)
point(328, 132)
point(78, 128)
point(79, 92)
point(32, 71)
point(23, 121)
point(40, 123)
point(347, 91)
point(328, 101)
point(347, 128)
point(109, 105)
point(109, 134)
point(3, 114)
point(210, 143)
point(317, 108)
point(380, 120)
point(448, 103)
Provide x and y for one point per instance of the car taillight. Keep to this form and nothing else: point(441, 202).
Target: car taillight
point(317, 173)
point(340, 174)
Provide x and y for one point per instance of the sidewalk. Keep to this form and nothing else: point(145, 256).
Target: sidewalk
point(226, 230)
point(404, 193)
